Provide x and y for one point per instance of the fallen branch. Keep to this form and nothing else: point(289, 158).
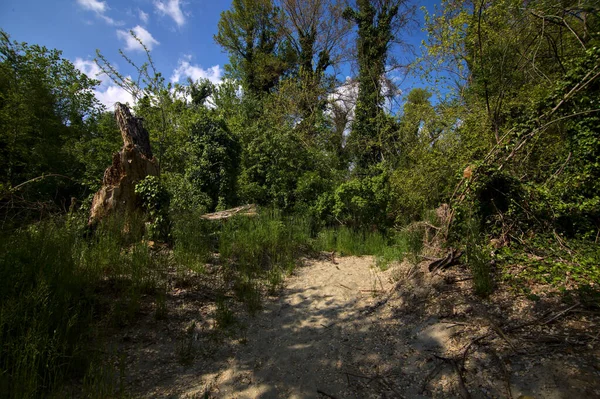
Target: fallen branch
point(559, 314)
point(246, 210)
point(445, 262)
point(19, 186)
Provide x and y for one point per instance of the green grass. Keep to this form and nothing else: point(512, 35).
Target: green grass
point(259, 251)
point(195, 239)
point(346, 241)
point(393, 247)
point(479, 262)
point(51, 278)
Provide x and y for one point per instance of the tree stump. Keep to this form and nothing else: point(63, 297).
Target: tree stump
point(129, 166)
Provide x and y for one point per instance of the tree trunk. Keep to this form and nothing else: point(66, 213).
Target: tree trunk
point(129, 166)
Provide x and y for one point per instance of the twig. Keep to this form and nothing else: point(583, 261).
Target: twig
point(456, 323)
point(366, 377)
point(461, 381)
point(380, 283)
point(559, 314)
point(462, 388)
point(431, 226)
point(503, 336)
point(17, 187)
point(461, 280)
point(346, 287)
point(326, 394)
point(504, 371)
point(430, 377)
point(389, 386)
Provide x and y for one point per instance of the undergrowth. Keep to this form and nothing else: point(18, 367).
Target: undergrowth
point(393, 246)
point(58, 281)
point(55, 285)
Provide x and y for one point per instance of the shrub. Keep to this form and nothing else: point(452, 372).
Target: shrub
point(155, 201)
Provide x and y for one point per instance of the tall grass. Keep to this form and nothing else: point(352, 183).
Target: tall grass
point(347, 241)
point(259, 251)
point(478, 257)
point(194, 240)
point(57, 282)
point(50, 275)
point(387, 248)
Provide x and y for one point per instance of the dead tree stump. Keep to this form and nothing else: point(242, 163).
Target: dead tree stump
point(129, 166)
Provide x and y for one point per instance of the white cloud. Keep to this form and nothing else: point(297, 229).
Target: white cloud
point(93, 5)
point(113, 94)
point(172, 8)
point(186, 70)
point(144, 16)
point(345, 96)
point(90, 68)
point(107, 92)
point(132, 44)
point(100, 8)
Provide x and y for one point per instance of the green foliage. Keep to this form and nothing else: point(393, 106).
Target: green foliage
point(552, 260)
point(256, 245)
point(346, 241)
point(388, 248)
point(213, 161)
point(573, 191)
point(95, 148)
point(271, 165)
point(186, 348)
point(363, 201)
point(155, 201)
point(46, 105)
point(194, 240)
point(249, 33)
point(477, 256)
point(524, 119)
point(374, 36)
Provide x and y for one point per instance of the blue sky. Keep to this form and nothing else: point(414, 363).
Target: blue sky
point(178, 32)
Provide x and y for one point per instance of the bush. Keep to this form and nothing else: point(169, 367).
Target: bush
point(363, 202)
point(155, 201)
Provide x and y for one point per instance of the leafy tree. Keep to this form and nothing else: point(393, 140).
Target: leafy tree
point(318, 35)
point(250, 33)
point(214, 160)
point(46, 104)
point(377, 23)
point(95, 148)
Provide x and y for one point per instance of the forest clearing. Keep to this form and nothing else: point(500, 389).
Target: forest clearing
point(371, 199)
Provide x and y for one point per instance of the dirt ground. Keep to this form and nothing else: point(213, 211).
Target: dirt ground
point(342, 328)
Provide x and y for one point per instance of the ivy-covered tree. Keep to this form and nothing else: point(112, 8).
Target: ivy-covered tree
point(378, 24)
point(318, 35)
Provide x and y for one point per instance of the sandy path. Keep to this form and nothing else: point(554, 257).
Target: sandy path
point(323, 337)
point(306, 339)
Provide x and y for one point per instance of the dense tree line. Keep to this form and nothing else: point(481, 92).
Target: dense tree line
point(520, 114)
